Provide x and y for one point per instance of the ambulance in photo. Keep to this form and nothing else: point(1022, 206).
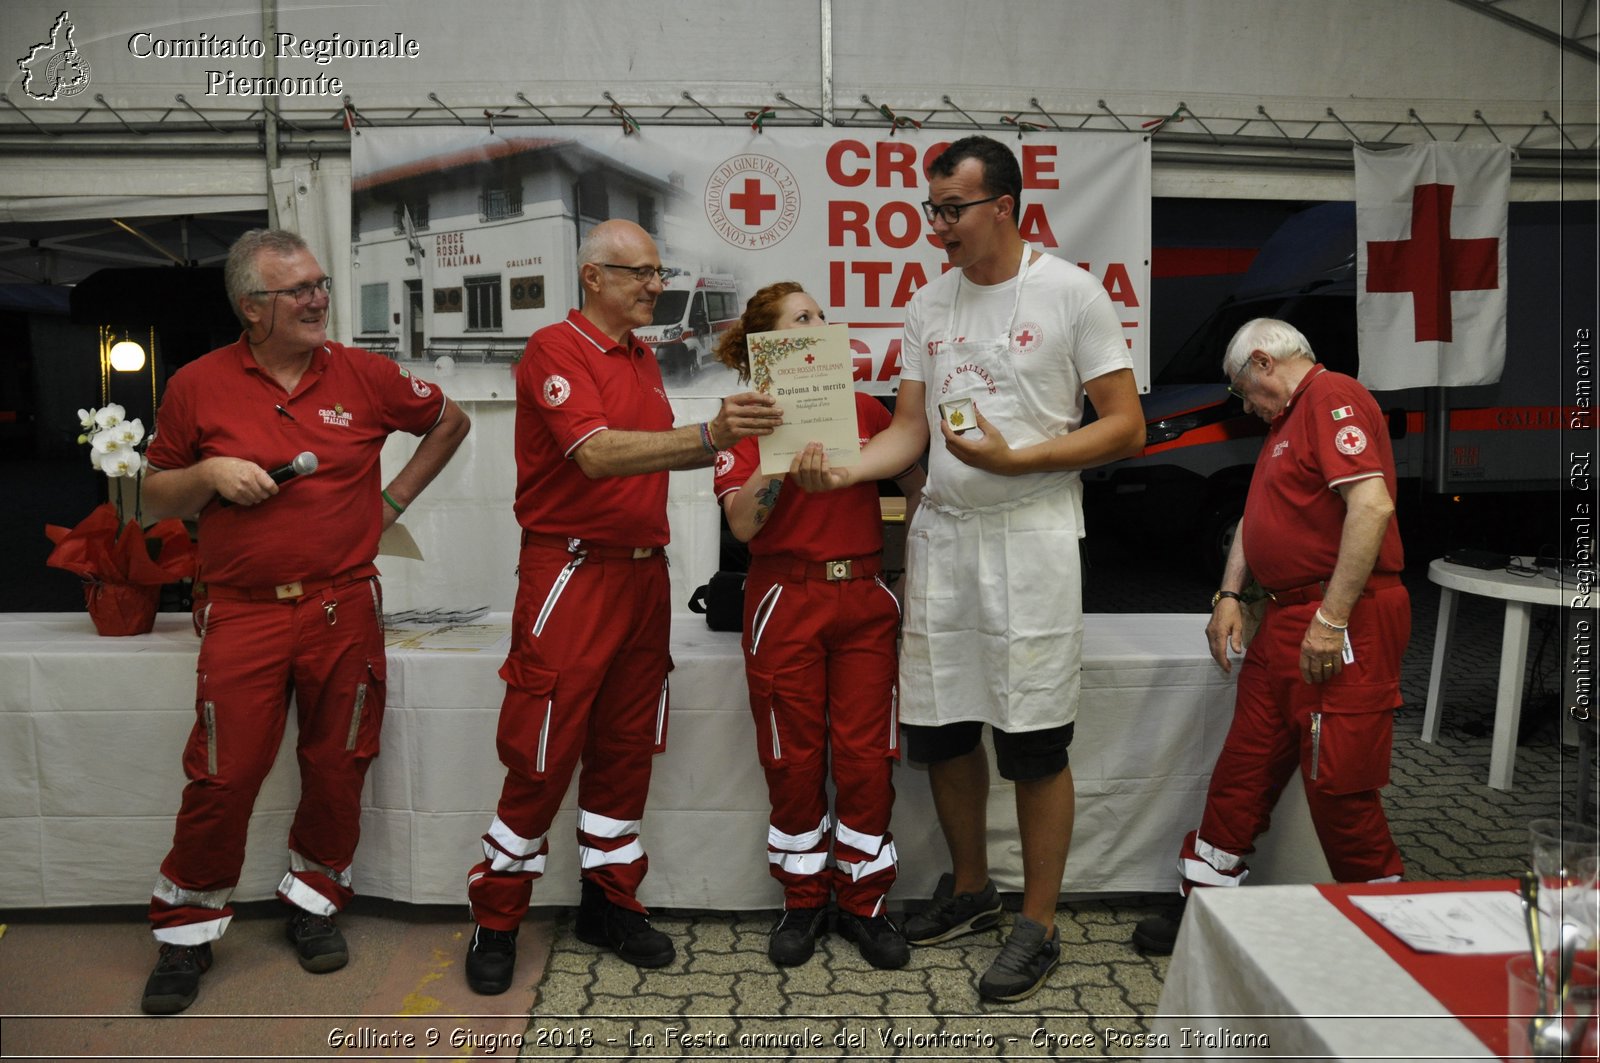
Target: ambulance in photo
point(692, 311)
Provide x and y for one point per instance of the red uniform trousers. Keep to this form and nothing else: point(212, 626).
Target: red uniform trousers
point(1338, 733)
point(327, 648)
point(586, 676)
point(820, 662)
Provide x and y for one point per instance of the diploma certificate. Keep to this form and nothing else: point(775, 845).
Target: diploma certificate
point(810, 373)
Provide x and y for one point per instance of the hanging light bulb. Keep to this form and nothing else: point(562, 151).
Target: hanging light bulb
point(127, 357)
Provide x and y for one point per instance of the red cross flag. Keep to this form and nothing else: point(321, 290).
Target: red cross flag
point(1431, 264)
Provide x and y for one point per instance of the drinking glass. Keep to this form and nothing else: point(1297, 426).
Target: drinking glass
point(1523, 1015)
point(1566, 857)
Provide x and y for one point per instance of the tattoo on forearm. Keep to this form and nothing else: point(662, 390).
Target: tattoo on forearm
point(766, 498)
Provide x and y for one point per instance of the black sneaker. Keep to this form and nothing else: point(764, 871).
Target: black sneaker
point(624, 931)
point(317, 941)
point(175, 982)
point(794, 936)
point(882, 944)
point(1023, 964)
point(949, 915)
point(1156, 934)
point(491, 959)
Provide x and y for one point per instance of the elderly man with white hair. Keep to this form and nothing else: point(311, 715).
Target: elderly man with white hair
point(1320, 682)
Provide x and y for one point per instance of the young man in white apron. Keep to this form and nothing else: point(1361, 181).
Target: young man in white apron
point(999, 352)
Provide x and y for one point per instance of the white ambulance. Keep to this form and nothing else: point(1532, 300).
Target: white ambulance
point(691, 313)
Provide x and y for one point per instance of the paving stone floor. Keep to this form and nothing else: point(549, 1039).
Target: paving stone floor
point(725, 1000)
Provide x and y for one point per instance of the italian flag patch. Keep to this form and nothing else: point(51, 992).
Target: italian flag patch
point(1342, 412)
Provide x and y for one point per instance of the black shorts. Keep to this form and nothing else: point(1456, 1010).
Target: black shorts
point(1021, 757)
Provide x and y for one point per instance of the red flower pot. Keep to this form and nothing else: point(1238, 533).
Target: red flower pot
point(121, 608)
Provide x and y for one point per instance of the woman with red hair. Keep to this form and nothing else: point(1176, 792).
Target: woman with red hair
point(819, 649)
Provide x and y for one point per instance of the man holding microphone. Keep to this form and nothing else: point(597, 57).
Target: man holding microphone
point(286, 597)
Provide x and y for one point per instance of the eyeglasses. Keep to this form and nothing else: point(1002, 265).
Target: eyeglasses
point(950, 212)
point(302, 293)
point(642, 274)
point(1236, 382)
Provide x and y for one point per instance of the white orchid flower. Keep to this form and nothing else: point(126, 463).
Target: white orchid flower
point(107, 444)
point(123, 463)
point(129, 432)
point(115, 440)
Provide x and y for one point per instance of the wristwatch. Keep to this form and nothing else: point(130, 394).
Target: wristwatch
point(1217, 597)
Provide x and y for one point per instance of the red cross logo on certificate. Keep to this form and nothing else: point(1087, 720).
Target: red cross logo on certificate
point(1431, 263)
point(810, 358)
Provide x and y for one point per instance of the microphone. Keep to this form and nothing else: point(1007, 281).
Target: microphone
point(304, 464)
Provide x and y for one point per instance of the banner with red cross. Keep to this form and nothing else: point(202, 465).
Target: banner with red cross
point(1431, 264)
point(480, 227)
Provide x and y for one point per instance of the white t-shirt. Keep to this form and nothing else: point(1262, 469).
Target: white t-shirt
point(994, 621)
point(1066, 332)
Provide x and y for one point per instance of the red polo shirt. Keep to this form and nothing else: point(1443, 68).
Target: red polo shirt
point(817, 527)
point(344, 407)
point(572, 382)
point(1331, 433)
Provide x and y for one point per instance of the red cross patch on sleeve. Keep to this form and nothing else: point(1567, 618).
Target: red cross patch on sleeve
point(556, 390)
point(1351, 440)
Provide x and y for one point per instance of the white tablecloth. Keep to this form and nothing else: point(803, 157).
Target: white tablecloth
point(91, 730)
point(1280, 973)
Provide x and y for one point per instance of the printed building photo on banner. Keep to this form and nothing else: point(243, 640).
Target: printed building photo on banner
point(465, 241)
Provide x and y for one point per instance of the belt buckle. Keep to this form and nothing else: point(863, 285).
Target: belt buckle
point(838, 570)
point(288, 590)
point(642, 552)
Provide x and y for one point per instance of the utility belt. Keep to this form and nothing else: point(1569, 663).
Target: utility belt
point(791, 567)
point(283, 592)
point(1315, 592)
point(592, 551)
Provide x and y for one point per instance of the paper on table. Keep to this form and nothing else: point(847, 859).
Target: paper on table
point(1461, 924)
point(811, 374)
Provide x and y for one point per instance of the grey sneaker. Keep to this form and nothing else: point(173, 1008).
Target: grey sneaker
point(949, 915)
point(1023, 965)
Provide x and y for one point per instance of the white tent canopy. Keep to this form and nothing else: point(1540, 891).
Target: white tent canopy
point(1267, 91)
point(1256, 99)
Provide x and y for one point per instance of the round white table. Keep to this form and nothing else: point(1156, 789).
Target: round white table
point(1520, 593)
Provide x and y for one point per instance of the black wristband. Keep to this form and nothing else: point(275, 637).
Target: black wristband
point(1217, 597)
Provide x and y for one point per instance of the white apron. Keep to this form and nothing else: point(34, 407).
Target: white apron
point(994, 614)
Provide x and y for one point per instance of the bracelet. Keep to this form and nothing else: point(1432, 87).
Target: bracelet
point(1329, 624)
point(705, 437)
point(397, 507)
